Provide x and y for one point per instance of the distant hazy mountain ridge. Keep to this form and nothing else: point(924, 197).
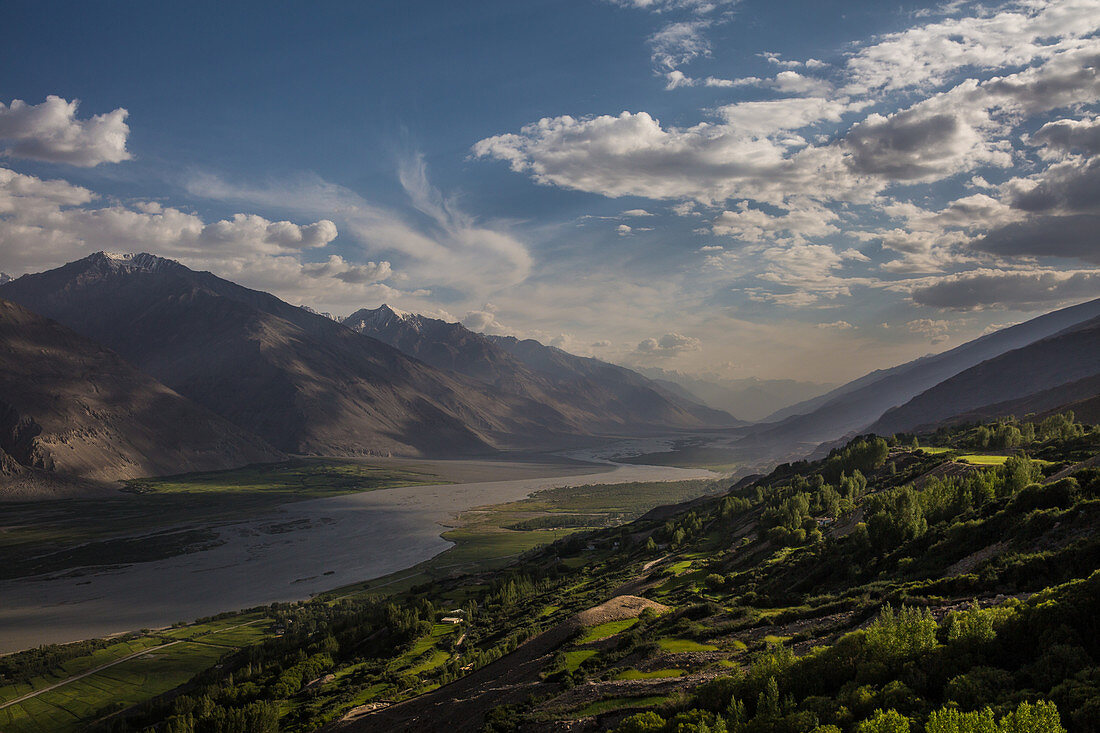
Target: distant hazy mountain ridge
point(1065, 358)
point(749, 398)
point(853, 407)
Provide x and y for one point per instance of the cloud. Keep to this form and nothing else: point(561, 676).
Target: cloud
point(1070, 135)
point(50, 131)
point(339, 268)
point(632, 154)
point(809, 271)
point(484, 320)
point(929, 141)
point(669, 345)
point(1048, 236)
point(936, 330)
point(437, 242)
point(754, 225)
point(664, 6)
point(1009, 289)
point(623, 230)
point(893, 149)
point(836, 326)
point(46, 223)
point(679, 43)
point(1015, 35)
point(636, 212)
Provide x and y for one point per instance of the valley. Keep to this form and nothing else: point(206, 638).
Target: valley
point(83, 569)
point(393, 522)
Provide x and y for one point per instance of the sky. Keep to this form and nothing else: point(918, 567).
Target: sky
point(804, 190)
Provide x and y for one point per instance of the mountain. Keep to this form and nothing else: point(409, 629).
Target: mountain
point(854, 406)
point(1082, 397)
point(1063, 359)
point(71, 408)
point(609, 386)
point(750, 398)
point(592, 395)
point(303, 382)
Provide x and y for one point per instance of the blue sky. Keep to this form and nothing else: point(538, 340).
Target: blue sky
point(806, 190)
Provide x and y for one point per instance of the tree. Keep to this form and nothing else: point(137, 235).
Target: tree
point(952, 720)
point(1042, 717)
point(885, 721)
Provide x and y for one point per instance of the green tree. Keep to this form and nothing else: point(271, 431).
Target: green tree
point(1042, 717)
point(953, 720)
point(885, 721)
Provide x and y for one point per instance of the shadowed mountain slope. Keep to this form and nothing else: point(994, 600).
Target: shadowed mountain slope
point(1063, 359)
point(592, 395)
point(301, 381)
point(70, 407)
point(854, 406)
point(1081, 396)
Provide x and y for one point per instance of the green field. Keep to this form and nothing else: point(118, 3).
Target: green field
point(680, 646)
point(574, 658)
point(71, 706)
point(979, 459)
point(595, 633)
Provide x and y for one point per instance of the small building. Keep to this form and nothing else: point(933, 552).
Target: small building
point(450, 620)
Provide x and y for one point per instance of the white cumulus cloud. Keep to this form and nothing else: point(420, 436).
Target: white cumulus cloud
point(52, 132)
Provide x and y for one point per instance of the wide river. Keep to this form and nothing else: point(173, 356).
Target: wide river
point(287, 554)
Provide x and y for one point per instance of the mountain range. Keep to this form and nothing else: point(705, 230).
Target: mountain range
point(299, 382)
point(750, 398)
point(858, 405)
point(148, 367)
point(592, 395)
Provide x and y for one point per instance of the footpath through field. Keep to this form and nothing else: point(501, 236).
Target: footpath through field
point(100, 668)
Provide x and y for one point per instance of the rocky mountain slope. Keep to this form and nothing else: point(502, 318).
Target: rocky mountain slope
point(70, 408)
point(592, 395)
point(299, 380)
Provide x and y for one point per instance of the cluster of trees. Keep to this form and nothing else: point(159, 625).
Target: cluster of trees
point(1010, 432)
point(1016, 668)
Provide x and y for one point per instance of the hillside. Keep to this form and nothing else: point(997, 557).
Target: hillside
point(854, 406)
point(880, 589)
point(71, 409)
point(1067, 357)
point(299, 380)
point(592, 395)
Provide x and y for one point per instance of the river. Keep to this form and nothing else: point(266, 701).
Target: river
point(287, 554)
